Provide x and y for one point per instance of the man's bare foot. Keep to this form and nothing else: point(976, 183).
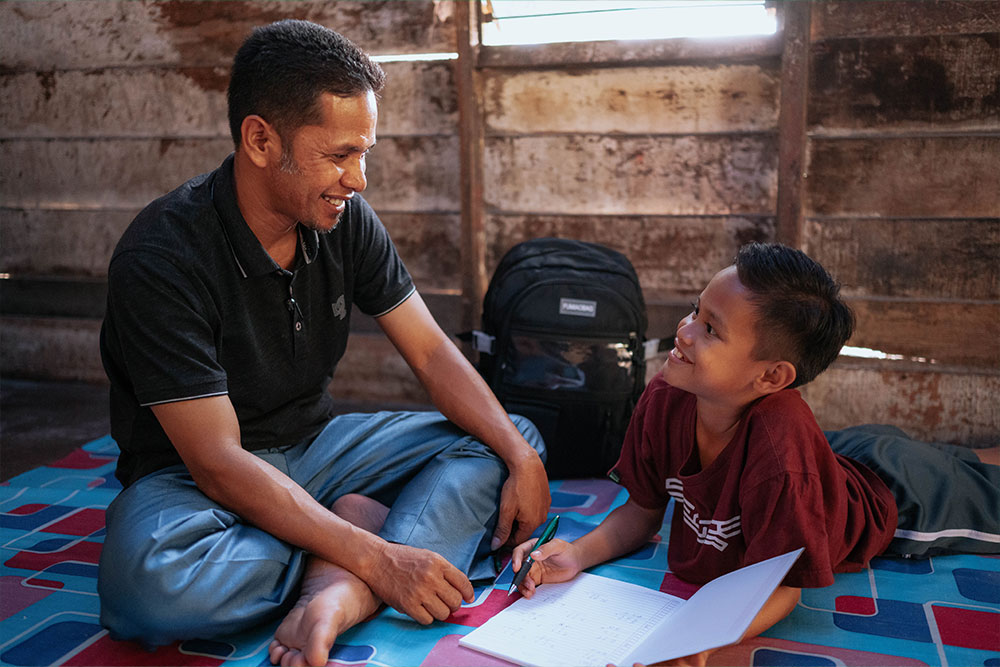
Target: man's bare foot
point(332, 599)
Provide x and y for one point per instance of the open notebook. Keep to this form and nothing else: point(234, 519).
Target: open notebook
point(594, 620)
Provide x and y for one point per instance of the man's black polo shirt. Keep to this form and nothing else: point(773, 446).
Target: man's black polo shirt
point(196, 307)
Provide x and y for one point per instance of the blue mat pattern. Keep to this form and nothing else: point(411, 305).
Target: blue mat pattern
point(941, 611)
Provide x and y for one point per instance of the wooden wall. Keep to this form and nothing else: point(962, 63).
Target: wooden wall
point(902, 202)
point(867, 133)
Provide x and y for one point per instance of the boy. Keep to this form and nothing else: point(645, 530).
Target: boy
point(722, 432)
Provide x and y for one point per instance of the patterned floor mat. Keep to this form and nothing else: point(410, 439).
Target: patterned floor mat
point(941, 611)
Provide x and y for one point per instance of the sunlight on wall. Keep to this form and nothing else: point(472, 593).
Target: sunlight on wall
point(544, 21)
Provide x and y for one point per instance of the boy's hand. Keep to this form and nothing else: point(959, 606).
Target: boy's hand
point(554, 562)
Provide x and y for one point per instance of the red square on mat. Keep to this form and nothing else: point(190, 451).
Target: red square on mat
point(969, 628)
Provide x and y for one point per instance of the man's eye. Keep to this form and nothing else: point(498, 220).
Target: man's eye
point(710, 329)
point(694, 307)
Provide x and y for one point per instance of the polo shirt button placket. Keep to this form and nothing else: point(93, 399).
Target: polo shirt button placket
point(297, 324)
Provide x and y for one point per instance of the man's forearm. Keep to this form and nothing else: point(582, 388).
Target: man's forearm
point(280, 507)
point(460, 393)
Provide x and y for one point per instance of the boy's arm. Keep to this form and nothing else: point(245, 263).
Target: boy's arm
point(778, 606)
point(627, 528)
point(624, 530)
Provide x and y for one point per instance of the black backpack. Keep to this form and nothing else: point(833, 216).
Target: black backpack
point(564, 325)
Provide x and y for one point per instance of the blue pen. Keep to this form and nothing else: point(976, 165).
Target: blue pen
point(547, 534)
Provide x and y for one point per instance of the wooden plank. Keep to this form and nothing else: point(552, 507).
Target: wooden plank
point(79, 243)
point(632, 52)
point(54, 297)
point(942, 176)
point(430, 245)
point(671, 255)
point(415, 174)
point(592, 174)
point(955, 333)
point(689, 99)
point(929, 405)
point(189, 102)
point(909, 17)
point(906, 83)
point(404, 173)
point(100, 174)
point(186, 102)
point(83, 34)
point(420, 98)
point(51, 349)
point(792, 138)
point(372, 370)
point(60, 243)
point(933, 259)
point(473, 241)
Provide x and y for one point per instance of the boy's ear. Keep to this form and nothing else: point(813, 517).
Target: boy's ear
point(776, 377)
point(259, 140)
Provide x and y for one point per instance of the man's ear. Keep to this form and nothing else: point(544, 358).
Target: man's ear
point(259, 140)
point(777, 376)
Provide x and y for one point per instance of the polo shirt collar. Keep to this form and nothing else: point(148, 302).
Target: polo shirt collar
point(250, 257)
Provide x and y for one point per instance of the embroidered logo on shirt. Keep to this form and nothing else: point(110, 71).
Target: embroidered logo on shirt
point(713, 532)
point(339, 308)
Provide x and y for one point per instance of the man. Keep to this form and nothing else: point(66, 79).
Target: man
point(229, 303)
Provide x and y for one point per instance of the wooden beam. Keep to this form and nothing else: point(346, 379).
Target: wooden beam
point(473, 236)
point(792, 121)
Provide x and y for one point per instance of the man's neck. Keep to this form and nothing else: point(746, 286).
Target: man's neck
point(276, 236)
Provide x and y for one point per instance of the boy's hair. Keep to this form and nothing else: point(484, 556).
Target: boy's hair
point(800, 315)
point(282, 69)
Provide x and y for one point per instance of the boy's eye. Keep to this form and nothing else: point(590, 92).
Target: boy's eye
point(710, 329)
point(694, 307)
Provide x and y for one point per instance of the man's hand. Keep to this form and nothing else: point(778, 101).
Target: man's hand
point(554, 562)
point(418, 583)
point(524, 498)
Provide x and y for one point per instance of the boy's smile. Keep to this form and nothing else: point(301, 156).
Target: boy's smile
point(713, 356)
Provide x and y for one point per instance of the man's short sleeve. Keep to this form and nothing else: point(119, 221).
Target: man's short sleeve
point(160, 330)
point(381, 281)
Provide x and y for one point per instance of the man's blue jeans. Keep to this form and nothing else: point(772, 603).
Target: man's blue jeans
point(176, 565)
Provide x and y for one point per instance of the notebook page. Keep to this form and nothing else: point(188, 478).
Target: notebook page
point(591, 620)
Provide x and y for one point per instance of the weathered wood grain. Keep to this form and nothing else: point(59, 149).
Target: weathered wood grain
point(670, 255)
point(190, 102)
point(51, 349)
point(414, 174)
point(956, 333)
point(46, 35)
point(429, 244)
point(59, 243)
point(600, 174)
point(933, 176)
point(906, 83)
point(404, 174)
point(904, 17)
point(79, 243)
point(929, 405)
point(372, 370)
point(637, 100)
point(792, 138)
point(921, 258)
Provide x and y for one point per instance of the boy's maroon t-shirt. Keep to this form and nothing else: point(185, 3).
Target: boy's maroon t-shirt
point(777, 486)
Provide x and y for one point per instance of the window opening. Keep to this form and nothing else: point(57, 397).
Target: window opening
point(507, 22)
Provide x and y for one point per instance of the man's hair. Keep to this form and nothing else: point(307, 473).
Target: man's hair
point(800, 315)
point(282, 69)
